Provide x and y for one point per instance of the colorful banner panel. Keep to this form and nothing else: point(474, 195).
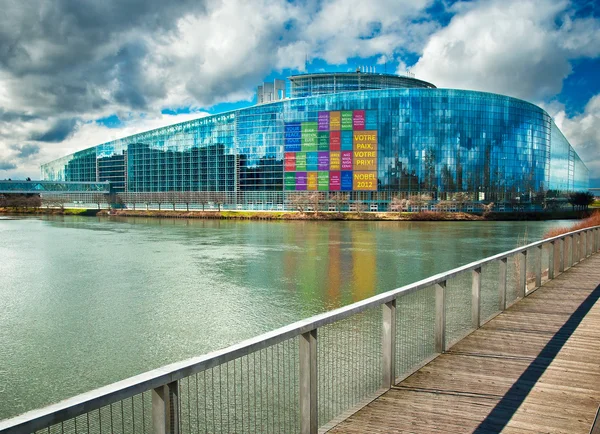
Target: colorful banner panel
point(335, 141)
point(347, 121)
point(365, 181)
point(335, 121)
point(323, 121)
point(335, 181)
point(293, 134)
point(311, 183)
point(365, 150)
point(336, 153)
point(334, 160)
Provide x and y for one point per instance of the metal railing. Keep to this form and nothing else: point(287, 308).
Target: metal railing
point(308, 376)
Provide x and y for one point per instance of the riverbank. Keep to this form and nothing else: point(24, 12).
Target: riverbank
point(294, 215)
point(49, 211)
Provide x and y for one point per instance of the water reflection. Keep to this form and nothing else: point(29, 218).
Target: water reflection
point(88, 301)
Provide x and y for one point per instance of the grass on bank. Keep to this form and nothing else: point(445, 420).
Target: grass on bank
point(592, 220)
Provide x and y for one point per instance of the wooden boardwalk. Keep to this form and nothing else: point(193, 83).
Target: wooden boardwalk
point(533, 369)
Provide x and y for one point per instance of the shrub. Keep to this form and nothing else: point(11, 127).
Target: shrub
point(592, 220)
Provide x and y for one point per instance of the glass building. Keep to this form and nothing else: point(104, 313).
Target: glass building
point(368, 137)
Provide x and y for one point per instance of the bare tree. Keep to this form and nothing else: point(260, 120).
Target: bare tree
point(186, 198)
point(219, 199)
point(398, 204)
point(99, 198)
point(146, 198)
point(34, 201)
point(445, 205)
point(298, 201)
point(314, 199)
point(54, 201)
point(203, 199)
point(339, 199)
point(158, 197)
point(360, 206)
point(420, 200)
point(131, 198)
point(487, 209)
point(461, 198)
point(172, 196)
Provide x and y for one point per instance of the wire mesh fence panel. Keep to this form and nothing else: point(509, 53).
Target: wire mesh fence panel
point(513, 278)
point(533, 258)
point(490, 282)
point(546, 256)
point(458, 307)
point(558, 255)
point(257, 393)
point(349, 363)
point(415, 330)
point(129, 416)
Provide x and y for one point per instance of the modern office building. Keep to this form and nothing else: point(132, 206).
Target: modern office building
point(370, 137)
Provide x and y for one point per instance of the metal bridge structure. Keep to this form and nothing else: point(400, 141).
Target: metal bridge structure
point(54, 187)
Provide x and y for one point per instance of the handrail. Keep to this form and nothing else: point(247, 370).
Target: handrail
point(109, 394)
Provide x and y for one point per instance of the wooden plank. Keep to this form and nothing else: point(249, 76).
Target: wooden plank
point(533, 368)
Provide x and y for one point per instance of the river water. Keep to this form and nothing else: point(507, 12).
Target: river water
point(88, 301)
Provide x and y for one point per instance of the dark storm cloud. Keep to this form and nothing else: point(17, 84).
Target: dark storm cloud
point(82, 55)
point(25, 151)
point(61, 129)
point(6, 116)
point(7, 165)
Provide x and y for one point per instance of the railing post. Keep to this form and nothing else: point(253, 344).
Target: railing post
point(574, 249)
point(589, 243)
point(523, 276)
point(564, 263)
point(165, 409)
point(440, 317)
point(552, 259)
point(561, 258)
point(389, 344)
point(309, 423)
point(502, 284)
point(597, 240)
point(538, 267)
point(476, 298)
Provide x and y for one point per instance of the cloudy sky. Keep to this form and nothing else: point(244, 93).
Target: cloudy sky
point(76, 73)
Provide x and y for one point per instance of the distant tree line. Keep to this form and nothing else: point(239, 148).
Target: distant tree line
point(20, 201)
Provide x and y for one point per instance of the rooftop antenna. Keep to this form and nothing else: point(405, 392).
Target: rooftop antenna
point(306, 61)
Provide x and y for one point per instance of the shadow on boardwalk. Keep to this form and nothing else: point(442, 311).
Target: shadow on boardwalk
point(503, 412)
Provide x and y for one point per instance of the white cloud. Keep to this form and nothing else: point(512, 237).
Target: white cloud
point(84, 135)
point(512, 47)
point(583, 132)
point(73, 67)
point(347, 28)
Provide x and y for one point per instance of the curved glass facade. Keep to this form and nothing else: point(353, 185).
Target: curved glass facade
point(374, 145)
point(305, 85)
